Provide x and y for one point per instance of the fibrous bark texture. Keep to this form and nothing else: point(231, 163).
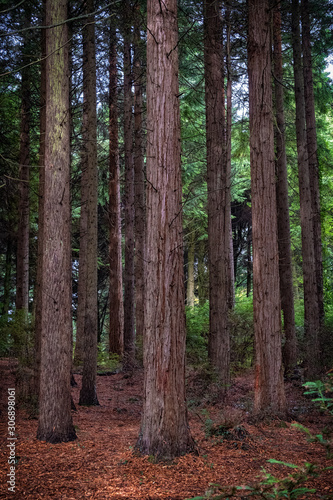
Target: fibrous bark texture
point(116, 333)
point(22, 269)
point(129, 285)
point(88, 228)
point(164, 427)
point(139, 184)
point(269, 387)
point(55, 420)
point(285, 264)
point(311, 131)
point(311, 307)
point(218, 183)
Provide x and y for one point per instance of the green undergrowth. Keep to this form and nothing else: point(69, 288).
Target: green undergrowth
point(269, 486)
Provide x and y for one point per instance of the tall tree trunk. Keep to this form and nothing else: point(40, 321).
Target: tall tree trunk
point(55, 420)
point(22, 269)
point(269, 389)
point(231, 295)
point(311, 309)
point(218, 184)
point(139, 184)
point(202, 273)
point(311, 132)
point(285, 265)
point(88, 232)
point(40, 235)
point(129, 288)
point(248, 263)
point(116, 333)
point(164, 426)
point(190, 270)
point(7, 278)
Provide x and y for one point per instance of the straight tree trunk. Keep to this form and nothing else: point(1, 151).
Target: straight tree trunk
point(218, 183)
point(269, 388)
point(164, 427)
point(7, 277)
point(88, 230)
point(129, 288)
point(231, 295)
point(311, 308)
point(190, 270)
point(116, 332)
point(139, 184)
point(40, 238)
point(285, 264)
point(202, 273)
point(311, 131)
point(248, 264)
point(55, 420)
point(22, 269)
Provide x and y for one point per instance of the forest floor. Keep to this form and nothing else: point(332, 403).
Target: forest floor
point(101, 463)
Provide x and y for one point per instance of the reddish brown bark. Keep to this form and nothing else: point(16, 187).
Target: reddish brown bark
point(88, 228)
point(285, 263)
point(164, 427)
point(190, 297)
point(55, 420)
point(22, 257)
point(116, 332)
point(311, 308)
point(218, 183)
point(40, 236)
point(269, 387)
point(129, 287)
point(311, 131)
point(139, 183)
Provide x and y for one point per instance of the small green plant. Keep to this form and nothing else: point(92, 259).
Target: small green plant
point(323, 439)
point(270, 487)
point(321, 389)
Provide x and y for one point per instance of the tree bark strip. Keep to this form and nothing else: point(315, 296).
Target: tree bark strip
point(55, 420)
point(218, 183)
point(88, 229)
point(164, 427)
point(311, 308)
point(269, 388)
point(311, 131)
point(116, 332)
point(129, 284)
point(285, 263)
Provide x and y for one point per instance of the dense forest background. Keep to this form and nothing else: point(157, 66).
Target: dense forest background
point(108, 227)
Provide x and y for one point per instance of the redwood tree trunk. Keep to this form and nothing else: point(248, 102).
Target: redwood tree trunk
point(116, 333)
point(88, 230)
point(202, 273)
point(129, 289)
point(41, 186)
point(285, 264)
point(269, 389)
point(139, 185)
point(55, 420)
point(311, 131)
point(218, 183)
point(190, 270)
point(311, 308)
point(22, 269)
point(231, 295)
point(164, 427)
